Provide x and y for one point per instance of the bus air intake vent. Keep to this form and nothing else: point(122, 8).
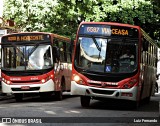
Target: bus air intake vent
point(102, 92)
point(28, 81)
point(30, 89)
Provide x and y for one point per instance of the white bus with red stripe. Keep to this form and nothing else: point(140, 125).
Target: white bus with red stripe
point(101, 70)
point(36, 62)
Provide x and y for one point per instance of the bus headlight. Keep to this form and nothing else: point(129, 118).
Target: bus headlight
point(77, 79)
point(52, 76)
point(130, 84)
point(43, 80)
point(47, 78)
point(133, 81)
point(6, 81)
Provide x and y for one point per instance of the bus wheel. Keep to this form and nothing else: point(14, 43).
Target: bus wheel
point(58, 95)
point(85, 101)
point(135, 104)
point(45, 95)
point(18, 97)
point(147, 99)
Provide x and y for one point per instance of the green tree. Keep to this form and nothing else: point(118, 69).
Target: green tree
point(64, 16)
point(30, 15)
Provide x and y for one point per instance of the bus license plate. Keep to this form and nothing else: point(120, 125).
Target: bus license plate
point(25, 87)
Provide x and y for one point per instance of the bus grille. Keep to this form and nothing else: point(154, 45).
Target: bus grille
point(30, 89)
point(102, 92)
point(31, 81)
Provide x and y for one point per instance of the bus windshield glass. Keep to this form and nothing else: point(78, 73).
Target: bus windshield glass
point(27, 57)
point(107, 55)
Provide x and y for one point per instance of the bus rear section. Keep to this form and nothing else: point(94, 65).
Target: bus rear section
point(30, 65)
point(108, 63)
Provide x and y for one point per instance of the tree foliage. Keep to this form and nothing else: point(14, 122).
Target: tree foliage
point(64, 16)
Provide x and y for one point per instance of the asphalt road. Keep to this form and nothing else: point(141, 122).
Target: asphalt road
point(69, 112)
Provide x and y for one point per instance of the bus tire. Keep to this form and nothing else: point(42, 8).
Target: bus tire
point(85, 101)
point(58, 95)
point(45, 95)
point(18, 97)
point(147, 99)
point(135, 104)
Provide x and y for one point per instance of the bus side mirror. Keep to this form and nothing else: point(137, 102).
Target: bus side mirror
point(145, 45)
point(56, 54)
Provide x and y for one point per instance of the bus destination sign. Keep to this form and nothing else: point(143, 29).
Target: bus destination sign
point(26, 37)
point(107, 30)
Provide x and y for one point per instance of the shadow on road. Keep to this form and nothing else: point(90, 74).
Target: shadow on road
point(111, 104)
point(37, 98)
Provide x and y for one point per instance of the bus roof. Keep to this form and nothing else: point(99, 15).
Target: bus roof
point(26, 33)
point(111, 23)
point(142, 32)
point(103, 28)
point(48, 33)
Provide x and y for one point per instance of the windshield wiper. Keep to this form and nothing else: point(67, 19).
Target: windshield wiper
point(100, 51)
point(99, 48)
point(95, 42)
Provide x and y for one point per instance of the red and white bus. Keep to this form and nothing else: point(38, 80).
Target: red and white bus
point(36, 62)
point(2, 32)
point(113, 60)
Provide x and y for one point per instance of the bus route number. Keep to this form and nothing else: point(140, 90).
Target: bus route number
point(92, 29)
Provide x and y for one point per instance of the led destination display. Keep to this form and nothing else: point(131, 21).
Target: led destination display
point(26, 37)
point(107, 30)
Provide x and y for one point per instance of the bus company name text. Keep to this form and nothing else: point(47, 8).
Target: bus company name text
point(21, 120)
point(26, 38)
point(108, 31)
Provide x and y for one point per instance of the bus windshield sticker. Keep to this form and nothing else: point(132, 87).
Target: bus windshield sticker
point(108, 68)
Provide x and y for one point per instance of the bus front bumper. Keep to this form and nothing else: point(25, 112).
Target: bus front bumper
point(28, 88)
point(126, 94)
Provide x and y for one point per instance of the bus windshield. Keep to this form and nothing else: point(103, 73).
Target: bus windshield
point(27, 57)
point(107, 55)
